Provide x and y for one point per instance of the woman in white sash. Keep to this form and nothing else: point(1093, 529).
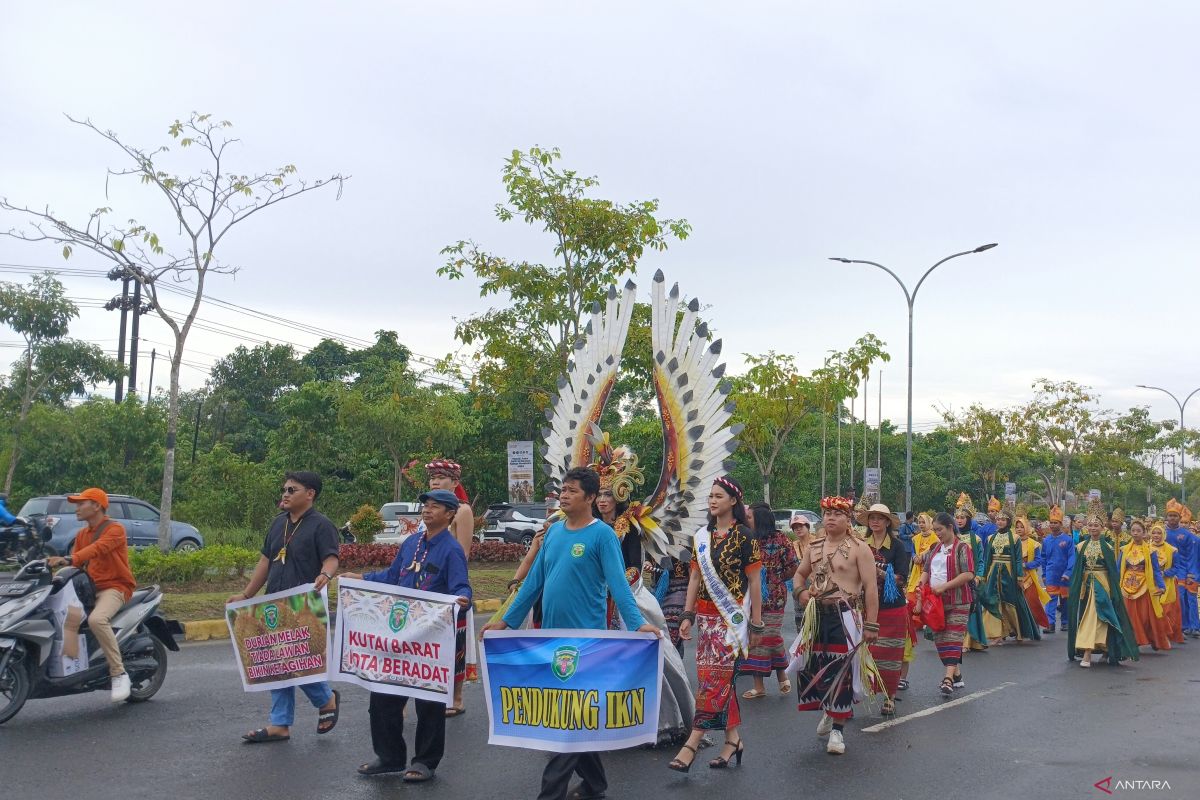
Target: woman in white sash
point(724, 603)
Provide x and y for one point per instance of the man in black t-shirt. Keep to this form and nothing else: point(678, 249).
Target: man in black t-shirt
point(301, 547)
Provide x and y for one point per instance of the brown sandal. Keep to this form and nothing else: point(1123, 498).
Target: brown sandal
point(677, 763)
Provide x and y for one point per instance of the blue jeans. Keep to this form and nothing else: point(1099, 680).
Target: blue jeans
point(283, 701)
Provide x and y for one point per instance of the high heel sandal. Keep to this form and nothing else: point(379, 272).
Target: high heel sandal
point(678, 765)
point(721, 762)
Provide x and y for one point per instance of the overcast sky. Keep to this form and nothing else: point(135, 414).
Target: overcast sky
point(784, 132)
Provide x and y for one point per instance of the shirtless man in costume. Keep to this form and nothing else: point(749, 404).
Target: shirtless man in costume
point(843, 587)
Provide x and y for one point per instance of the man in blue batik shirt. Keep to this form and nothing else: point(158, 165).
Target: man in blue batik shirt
point(579, 565)
point(432, 561)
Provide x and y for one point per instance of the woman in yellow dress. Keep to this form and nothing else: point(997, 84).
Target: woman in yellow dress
point(1142, 588)
point(1165, 551)
point(1036, 595)
point(924, 539)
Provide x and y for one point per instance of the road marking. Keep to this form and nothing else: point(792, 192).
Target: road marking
point(882, 726)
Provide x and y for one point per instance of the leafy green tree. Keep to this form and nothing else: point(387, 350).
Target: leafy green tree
point(1062, 420)
point(521, 347)
point(991, 453)
point(52, 367)
point(248, 384)
point(402, 418)
point(203, 208)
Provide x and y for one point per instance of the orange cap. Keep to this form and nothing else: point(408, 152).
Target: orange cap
point(96, 495)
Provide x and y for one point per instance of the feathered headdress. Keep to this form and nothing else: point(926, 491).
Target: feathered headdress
point(693, 402)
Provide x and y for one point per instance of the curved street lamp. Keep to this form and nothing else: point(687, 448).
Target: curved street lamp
point(911, 298)
point(1182, 406)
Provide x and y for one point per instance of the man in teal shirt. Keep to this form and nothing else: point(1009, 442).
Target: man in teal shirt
point(578, 566)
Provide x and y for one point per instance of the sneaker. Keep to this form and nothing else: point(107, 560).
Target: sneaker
point(120, 688)
point(836, 745)
point(825, 726)
point(958, 682)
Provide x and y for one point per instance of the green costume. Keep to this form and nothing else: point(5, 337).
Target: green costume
point(1121, 643)
point(1001, 586)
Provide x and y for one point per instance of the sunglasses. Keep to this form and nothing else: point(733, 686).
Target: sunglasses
point(291, 489)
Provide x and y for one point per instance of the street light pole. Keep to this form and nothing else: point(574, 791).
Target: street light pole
point(911, 298)
point(1182, 461)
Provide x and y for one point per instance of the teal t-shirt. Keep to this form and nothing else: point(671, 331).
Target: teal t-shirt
point(574, 572)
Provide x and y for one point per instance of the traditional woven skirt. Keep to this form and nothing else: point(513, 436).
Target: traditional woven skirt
point(826, 680)
point(672, 607)
point(460, 649)
point(888, 650)
point(716, 701)
point(949, 641)
point(769, 654)
point(1148, 628)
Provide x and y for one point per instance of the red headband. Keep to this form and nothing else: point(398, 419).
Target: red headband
point(729, 486)
point(444, 466)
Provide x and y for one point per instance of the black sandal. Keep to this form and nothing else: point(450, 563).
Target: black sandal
point(947, 687)
point(720, 762)
point(330, 716)
point(677, 763)
point(378, 767)
point(261, 736)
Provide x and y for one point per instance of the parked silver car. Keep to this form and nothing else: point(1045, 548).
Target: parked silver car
point(139, 518)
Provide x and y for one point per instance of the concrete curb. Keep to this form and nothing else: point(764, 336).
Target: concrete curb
point(204, 629)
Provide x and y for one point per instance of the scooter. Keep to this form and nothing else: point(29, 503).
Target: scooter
point(31, 640)
point(25, 540)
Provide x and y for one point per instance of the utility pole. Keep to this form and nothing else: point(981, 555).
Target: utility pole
point(133, 336)
point(150, 386)
point(122, 303)
point(911, 299)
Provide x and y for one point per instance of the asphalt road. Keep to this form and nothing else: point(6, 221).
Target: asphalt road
point(1047, 729)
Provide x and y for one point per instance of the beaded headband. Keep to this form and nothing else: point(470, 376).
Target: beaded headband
point(842, 504)
point(730, 487)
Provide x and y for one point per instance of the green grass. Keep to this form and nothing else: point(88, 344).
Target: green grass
point(188, 602)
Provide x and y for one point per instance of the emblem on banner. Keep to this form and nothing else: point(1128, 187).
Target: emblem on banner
point(271, 616)
point(398, 617)
point(566, 659)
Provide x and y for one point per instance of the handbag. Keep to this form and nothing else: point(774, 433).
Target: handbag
point(933, 612)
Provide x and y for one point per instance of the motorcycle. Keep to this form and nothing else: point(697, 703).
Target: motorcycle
point(25, 540)
point(31, 640)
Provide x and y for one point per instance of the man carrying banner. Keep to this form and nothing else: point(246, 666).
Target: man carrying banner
point(432, 562)
point(301, 547)
point(446, 475)
point(580, 561)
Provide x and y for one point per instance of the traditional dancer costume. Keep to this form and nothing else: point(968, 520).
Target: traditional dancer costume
point(976, 633)
point(1058, 561)
point(943, 564)
point(1185, 544)
point(828, 673)
point(1171, 572)
point(1005, 609)
point(1142, 587)
point(1030, 582)
point(724, 561)
point(779, 561)
point(1098, 622)
point(892, 566)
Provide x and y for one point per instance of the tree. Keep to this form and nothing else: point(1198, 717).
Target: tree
point(51, 367)
point(839, 378)
point(205, 207)
point(249, 382)
point(403, 418)
point(1057, 424)
point(522, 347)
point(990, 451)
point(772, 398)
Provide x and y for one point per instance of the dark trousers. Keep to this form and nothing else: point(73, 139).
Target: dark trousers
point(557, 775)
point(387, 730)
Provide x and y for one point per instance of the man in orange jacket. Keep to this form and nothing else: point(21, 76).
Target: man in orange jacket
point(101, 552)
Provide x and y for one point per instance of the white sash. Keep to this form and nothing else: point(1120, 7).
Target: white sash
point(737, 617)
